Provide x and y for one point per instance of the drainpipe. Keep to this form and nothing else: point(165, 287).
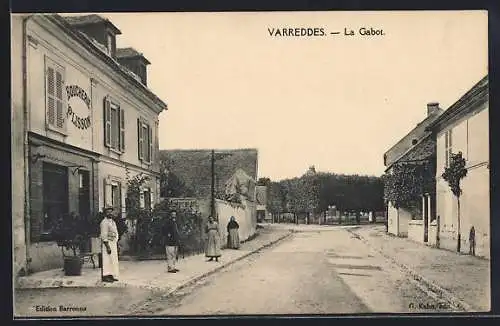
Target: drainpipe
point(27, 237)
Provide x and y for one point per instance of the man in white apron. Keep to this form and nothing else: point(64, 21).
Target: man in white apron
point(109, 238)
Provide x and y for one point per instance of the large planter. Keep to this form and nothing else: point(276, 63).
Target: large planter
point(72, 266)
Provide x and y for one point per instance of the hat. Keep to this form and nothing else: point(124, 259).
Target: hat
point(107, 208)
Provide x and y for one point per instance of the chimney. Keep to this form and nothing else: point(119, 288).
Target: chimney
point(134, 61)
point(97, 28)
point(432, 108)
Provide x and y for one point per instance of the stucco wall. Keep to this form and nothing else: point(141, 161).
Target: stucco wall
point(469, 135)
point(416, 230)
point(398, 220)
point(17, 146)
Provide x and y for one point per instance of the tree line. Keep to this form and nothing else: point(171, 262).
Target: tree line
point(314, 192)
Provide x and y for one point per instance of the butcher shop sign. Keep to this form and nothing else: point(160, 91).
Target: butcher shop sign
point(78, 107)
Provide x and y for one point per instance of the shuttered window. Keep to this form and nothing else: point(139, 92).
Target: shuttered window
point(113, 195)
point(144, 141)
point(54, 86)
point(114, 125)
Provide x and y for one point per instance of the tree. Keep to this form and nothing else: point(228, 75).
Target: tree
point(453, 174)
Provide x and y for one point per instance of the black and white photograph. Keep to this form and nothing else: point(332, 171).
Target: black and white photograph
point(264, 163)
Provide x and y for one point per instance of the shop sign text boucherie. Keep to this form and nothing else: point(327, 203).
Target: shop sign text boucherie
point(75, 91)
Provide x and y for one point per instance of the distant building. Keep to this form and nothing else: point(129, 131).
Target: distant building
point(192, 167)
point(417, 146)
point(464, 127)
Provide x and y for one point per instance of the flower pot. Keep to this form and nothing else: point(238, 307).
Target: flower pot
point(72, 266)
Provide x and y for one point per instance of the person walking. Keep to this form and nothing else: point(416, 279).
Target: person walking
point(171, 239)
point(212, 249)
point(233, 237)
point(109, 239)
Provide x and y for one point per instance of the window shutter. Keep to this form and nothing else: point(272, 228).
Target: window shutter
point(140, 141)
point(59, 99)
point(150, 139)
point(51, 105)
point(107, 122)
point(122, 130)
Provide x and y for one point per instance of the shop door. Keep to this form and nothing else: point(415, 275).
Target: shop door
point(84, 193)
point(55, 195)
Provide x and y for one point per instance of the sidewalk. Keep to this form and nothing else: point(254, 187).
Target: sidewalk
point(152, 274)
point(461, 279)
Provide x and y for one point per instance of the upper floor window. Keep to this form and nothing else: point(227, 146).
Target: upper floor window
point(145, 141)
point(114, 125)
point(54, 77)
point(447, 147)
point(109, 44)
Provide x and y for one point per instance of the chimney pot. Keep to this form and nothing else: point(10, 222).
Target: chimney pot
point(432, 107)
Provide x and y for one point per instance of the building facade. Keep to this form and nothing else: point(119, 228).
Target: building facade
point(89, 124)
point(416, 147)
point(464, 127)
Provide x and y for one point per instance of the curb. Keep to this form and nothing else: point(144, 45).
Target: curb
point(198, 277)
point(430, 285)
point(39, 283)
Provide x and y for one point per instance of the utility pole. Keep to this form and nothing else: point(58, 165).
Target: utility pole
point(212, 208)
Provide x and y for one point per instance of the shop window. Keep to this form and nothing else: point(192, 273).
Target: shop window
point(55, 101)
point(145, 141)
point(55, 198)
point(114, 126)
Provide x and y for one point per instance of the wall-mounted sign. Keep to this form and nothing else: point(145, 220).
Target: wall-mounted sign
point(81, 119)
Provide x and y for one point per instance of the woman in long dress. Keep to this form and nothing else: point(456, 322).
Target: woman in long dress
point(213, 241)
point(233, 238)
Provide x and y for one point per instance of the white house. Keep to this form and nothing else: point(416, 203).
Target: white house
point(88, 123)
point(464, 127)
point(417, 145)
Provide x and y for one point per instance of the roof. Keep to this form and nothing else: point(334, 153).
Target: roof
point(468, 102)
point(423, 150)
point(193, 167)
point(418, 133)
point(62, 23)
point(130, 53)
point(90, 20)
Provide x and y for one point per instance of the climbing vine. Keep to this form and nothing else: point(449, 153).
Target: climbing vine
point(406, 183)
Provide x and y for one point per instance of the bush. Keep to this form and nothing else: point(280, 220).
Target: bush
point(71, 231)
point(149, 239)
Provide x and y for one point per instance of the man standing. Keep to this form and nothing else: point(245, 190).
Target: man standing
point(171, 238)
point(109, 238)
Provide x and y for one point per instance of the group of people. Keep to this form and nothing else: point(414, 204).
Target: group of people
point(171, 237)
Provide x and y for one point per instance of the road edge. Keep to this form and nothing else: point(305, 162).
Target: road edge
point(427, 284)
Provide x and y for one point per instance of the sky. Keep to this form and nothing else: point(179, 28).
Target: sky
point(336, 102)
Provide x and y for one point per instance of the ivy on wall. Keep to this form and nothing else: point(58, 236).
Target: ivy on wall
point(406, 183)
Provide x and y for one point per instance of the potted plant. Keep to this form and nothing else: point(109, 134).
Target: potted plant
point(70, 234)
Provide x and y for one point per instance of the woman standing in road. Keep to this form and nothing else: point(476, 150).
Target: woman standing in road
point(213, 242)
point(233, 237)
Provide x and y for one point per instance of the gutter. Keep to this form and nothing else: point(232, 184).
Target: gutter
point(27, 222)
